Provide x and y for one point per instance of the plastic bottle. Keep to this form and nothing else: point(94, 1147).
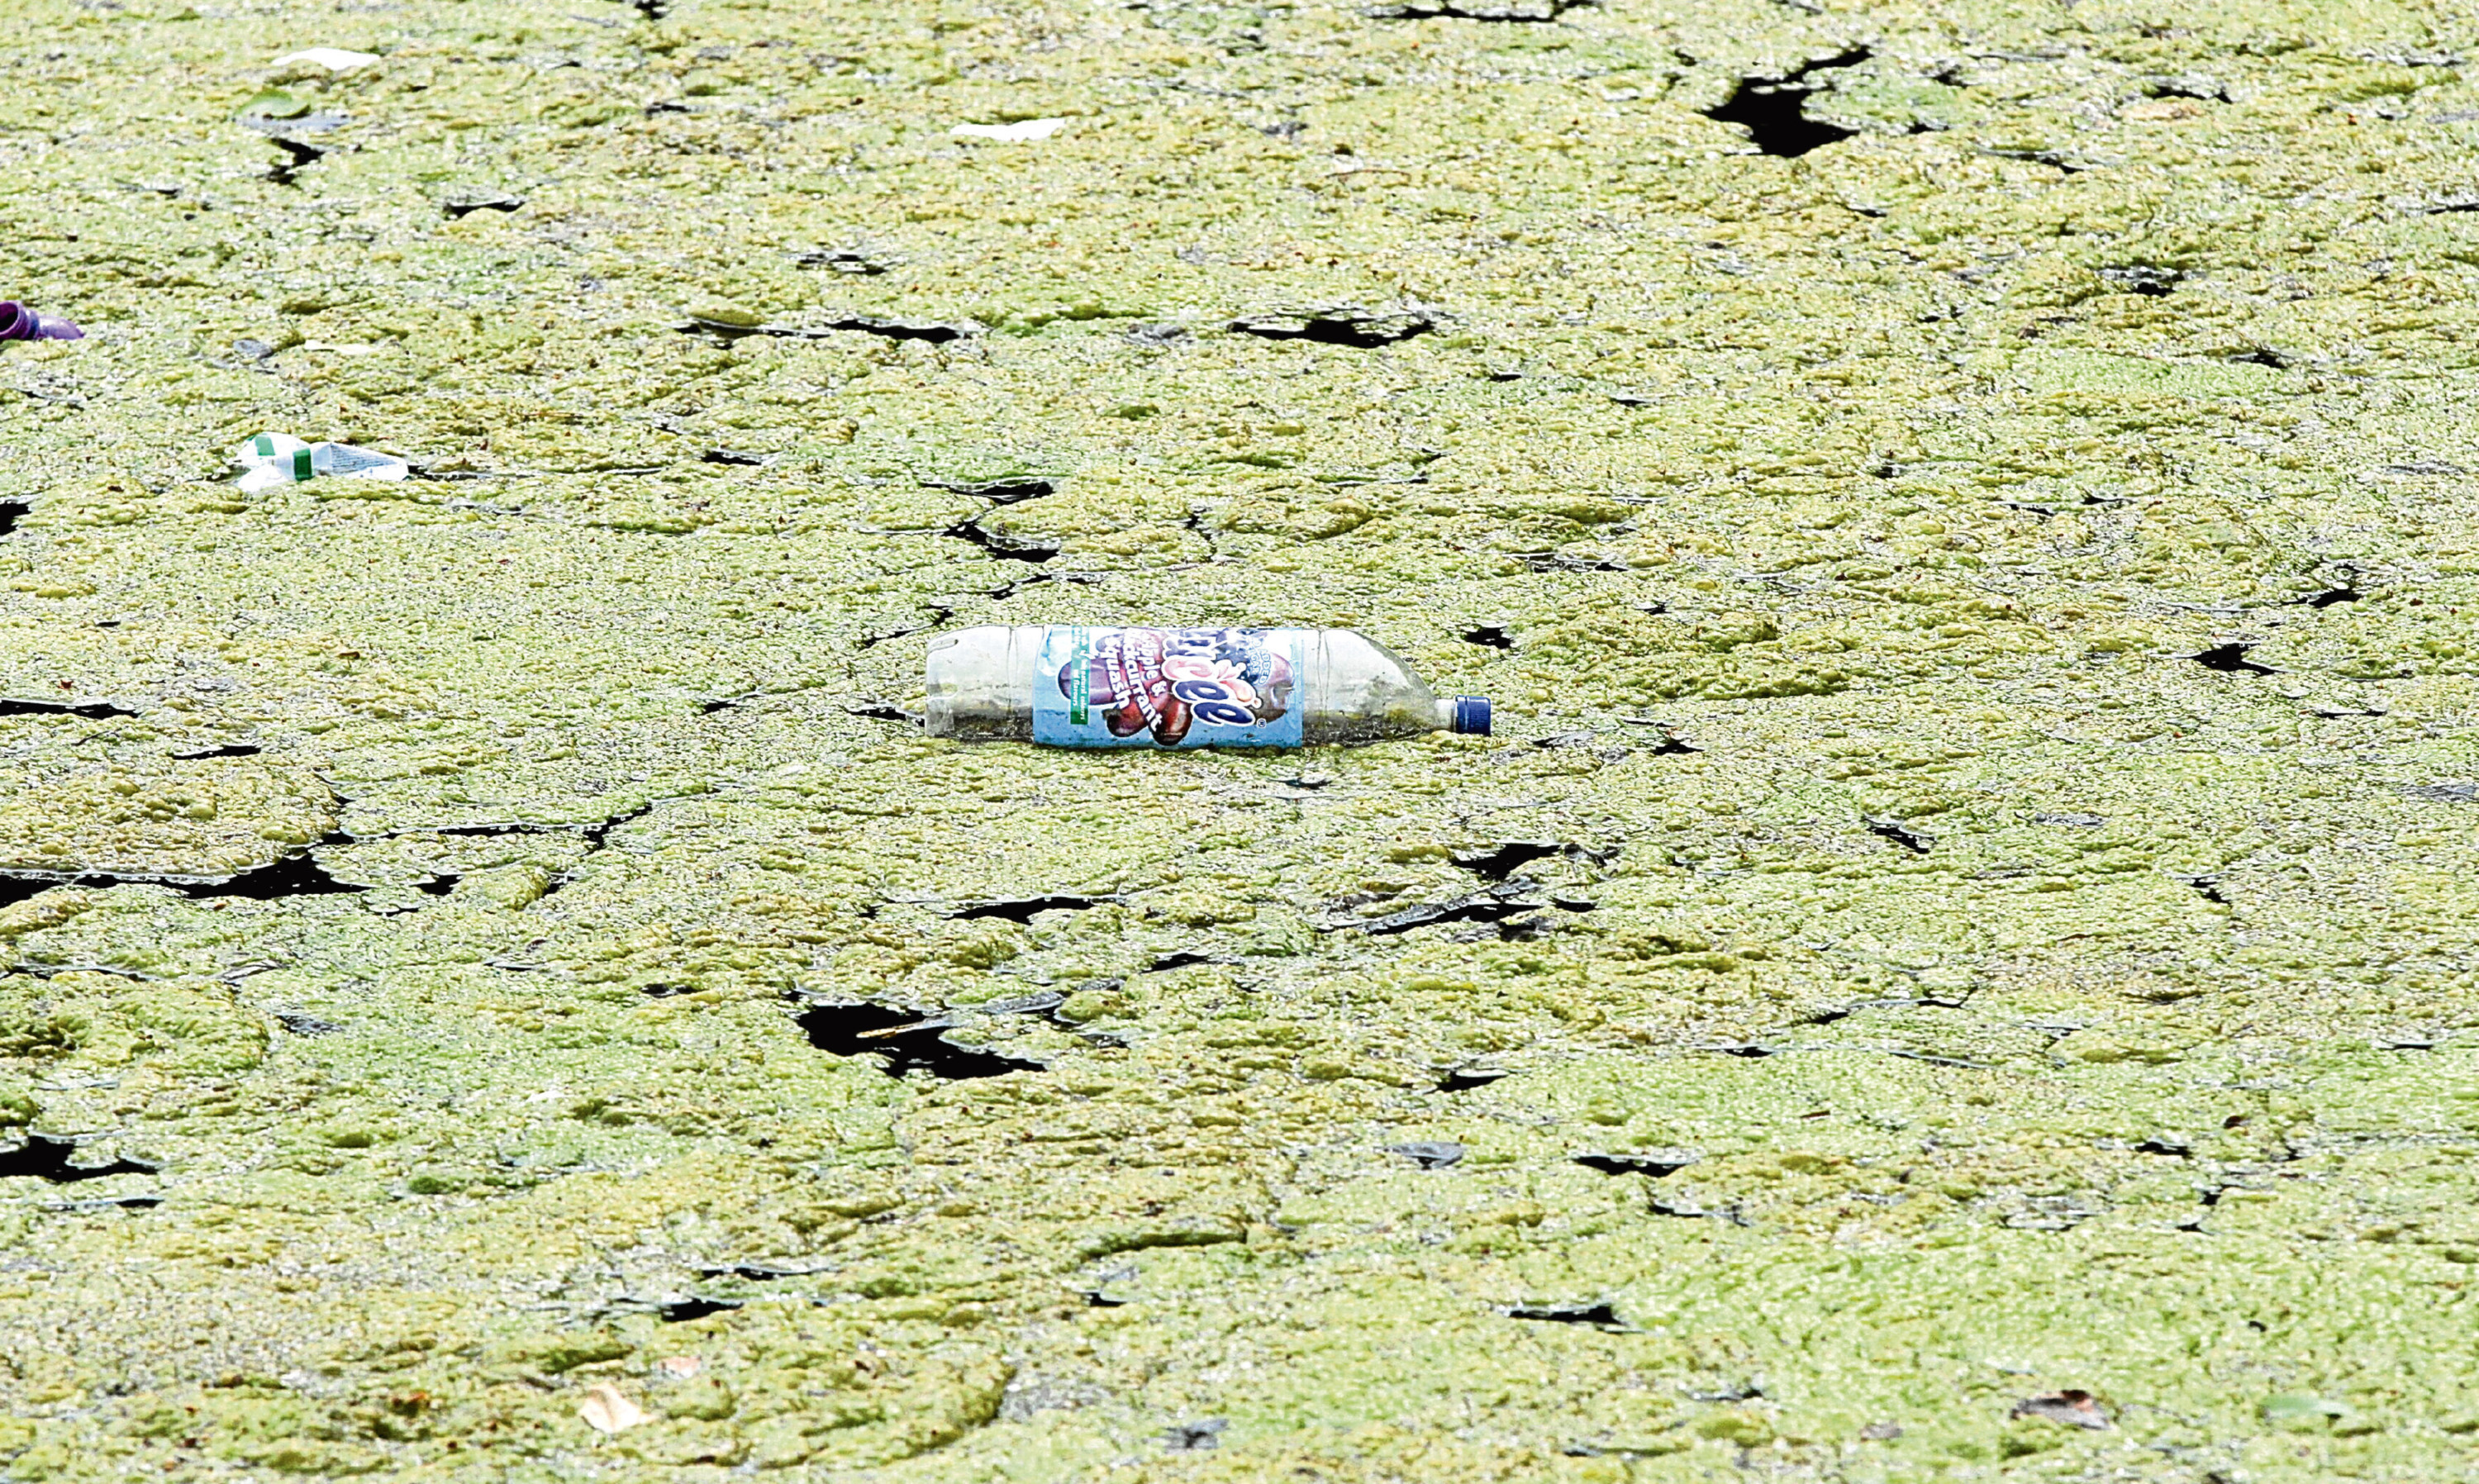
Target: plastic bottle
point(271, 459)
point(1066, 686)
point(18, 322)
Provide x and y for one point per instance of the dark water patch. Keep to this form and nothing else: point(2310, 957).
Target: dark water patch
point(1430, 1153)
point(1560, 562)
point(1670, 745)
point(998, 492)
point(1830, 1013)
point(1750, 1050)
point(2074, 1409)
point(1006, 549)
point(719, 704)
point(2203, 90)
point(1343, 324)
point(2177, 1148)
point(2331, 595)
point(935, 332)
point(2261, 356)
point(597, 836)
point(1020, 910)
point(754, 1272)
point(1533, 12)
point(301, 1022)
point(296, 155)
point(845, 260)
point(1500, 862)
point(735, 458)
point(1656, 1163)
point(299, 874)
point(1195, 1436)
point(1776, 118)
point(90, 710)
point(2152, 280)
point(1599, 1315)
point(458, 211)
point(1491, 635)
point(228, 750)
point(847, 1031)
point(11, 511)
point(1690, 1210)
point(1183, 959)
point(1496, 905)
point(2056, 159)
point(1932, 1060)
point(1774, 109)
point(2232, 660)
point(1007, 590)
point(1902, 834)
point(2209, 887)
point(1727, 1392)
point(436, 886)
point(42, 1157)
point(1041, 1002)
point(884, 712)
point(681, 1311)
point(1463, 1079)
point(15, 888)
point(939, 613)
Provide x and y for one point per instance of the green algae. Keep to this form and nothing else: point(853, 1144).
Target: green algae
point(1996, 1002)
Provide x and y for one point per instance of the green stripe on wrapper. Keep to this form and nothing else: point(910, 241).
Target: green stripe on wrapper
point(1080, 682)
point(302, 469)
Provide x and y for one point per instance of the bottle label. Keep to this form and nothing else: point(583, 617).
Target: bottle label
point(1168, 687)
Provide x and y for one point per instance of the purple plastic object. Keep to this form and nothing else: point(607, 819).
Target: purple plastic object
point(18, 322)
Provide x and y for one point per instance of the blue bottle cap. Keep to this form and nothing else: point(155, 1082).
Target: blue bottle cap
point(1472, 715)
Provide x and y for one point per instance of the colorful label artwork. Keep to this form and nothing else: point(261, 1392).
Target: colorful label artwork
point(1168, 687)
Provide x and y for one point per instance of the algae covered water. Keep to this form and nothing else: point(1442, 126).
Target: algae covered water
point(1953, 964)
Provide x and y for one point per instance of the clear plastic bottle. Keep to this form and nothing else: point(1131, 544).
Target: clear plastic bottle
point(1068, 686)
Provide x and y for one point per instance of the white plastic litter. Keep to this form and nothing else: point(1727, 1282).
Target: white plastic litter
point(335, 59)
point(1012, 132)
point(271, 459)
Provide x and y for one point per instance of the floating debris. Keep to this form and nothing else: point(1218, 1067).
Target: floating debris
point(271, 459)
point(1023, 132)
point(18, 322)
